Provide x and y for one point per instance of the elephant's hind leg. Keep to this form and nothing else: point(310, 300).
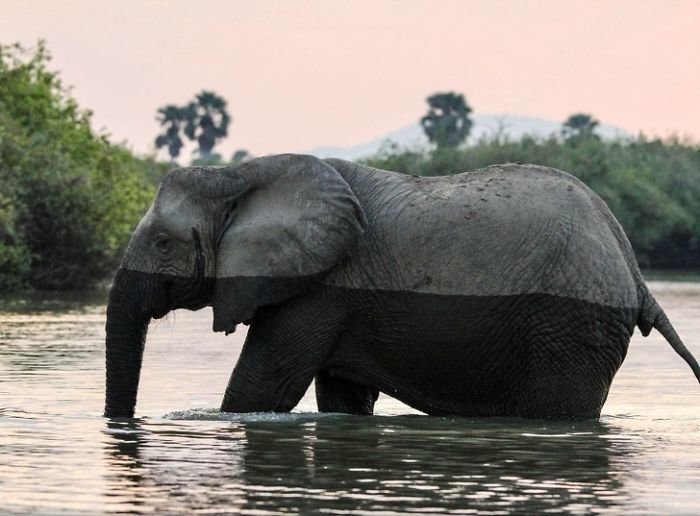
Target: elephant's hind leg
point(574, 351)
point(336, 394)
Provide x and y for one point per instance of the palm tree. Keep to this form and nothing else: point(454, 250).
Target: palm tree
point(447, 123)
point(207, 121)
point(172, 117)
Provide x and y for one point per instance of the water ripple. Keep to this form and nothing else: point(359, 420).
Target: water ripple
point(60, 456)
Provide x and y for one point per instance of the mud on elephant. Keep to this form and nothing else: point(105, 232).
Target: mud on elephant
point(510, 290)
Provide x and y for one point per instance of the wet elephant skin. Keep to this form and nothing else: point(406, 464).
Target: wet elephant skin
point(434, 352)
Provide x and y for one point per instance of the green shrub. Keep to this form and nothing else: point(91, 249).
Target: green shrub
point(652, 186)
point(69, 198)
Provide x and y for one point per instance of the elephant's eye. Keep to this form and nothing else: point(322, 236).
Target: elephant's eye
point(163, 243)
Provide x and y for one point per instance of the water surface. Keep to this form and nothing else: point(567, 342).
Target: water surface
point(58, 455)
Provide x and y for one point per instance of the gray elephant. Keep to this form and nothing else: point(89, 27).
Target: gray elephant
point(506, 291)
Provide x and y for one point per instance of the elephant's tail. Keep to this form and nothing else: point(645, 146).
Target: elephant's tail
point(653, 316)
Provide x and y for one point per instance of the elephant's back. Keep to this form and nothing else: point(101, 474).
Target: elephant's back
point(499, 231)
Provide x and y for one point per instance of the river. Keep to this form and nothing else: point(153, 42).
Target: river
point(58, 455)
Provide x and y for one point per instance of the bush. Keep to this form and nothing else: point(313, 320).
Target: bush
point(652, 186)
point(69, 197)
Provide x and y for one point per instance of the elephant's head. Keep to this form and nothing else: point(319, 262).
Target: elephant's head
point(234, 238)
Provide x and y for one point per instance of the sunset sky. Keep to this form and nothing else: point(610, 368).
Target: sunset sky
point(301, 74)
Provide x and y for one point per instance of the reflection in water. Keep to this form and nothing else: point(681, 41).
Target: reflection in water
point(354, 465)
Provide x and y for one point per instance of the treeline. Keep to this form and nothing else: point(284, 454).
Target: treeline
point(652, 186)
point(69, 198)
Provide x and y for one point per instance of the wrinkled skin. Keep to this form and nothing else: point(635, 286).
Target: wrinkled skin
point(506, 291)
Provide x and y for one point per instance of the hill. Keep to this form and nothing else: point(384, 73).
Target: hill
point(413, 137)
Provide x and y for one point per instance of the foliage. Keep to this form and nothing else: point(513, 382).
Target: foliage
point(69, 198)
point(205, 120)
point(447, 123)
point(209, 121)
point(240, 156)
point(579, 125)
point(172, 117)
point(652, 186)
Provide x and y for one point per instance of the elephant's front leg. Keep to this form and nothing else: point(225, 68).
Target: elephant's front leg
point(336, 394)
point(285, 348)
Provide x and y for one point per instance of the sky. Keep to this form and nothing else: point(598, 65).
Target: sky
point(307, 73)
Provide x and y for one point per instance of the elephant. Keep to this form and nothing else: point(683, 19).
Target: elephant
point(510, 290)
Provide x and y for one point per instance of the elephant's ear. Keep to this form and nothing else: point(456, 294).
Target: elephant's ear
point(297, 219)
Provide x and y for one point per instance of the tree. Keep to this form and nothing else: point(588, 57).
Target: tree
point(207, 121)
point(172, 117)
point(447, 123)
point(580, 125)
point(240, 156)
point(69, 199)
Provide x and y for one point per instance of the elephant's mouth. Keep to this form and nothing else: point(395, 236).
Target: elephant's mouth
point(160, 310)
point(187, 293)
point(159, 314)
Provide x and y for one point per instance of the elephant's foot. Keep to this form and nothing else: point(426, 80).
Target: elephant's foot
point(335, 394)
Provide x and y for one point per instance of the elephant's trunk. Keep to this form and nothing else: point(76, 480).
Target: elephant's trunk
point(127, 325)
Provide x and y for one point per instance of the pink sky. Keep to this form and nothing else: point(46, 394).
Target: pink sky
point(300, 74)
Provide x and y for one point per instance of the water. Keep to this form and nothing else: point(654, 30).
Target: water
point(59, 456)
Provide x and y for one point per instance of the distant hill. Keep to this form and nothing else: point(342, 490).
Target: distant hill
point(484, 125)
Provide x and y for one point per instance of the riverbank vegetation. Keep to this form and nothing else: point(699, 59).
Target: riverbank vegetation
point(70, 198)
point(652, 186)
